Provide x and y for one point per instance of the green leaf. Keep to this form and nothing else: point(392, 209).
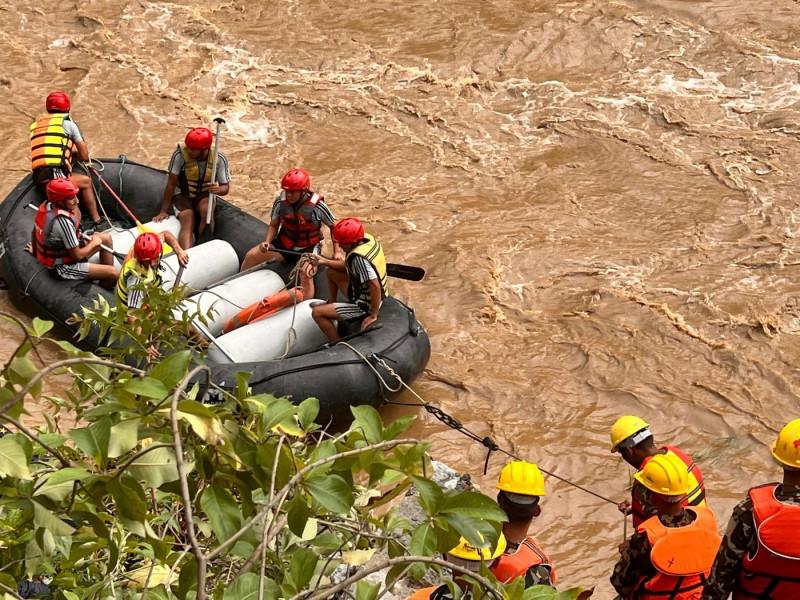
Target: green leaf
point(94, 440)
point(203, 421)
point(307, 412)
point(225, 516)
point(172, 369)
point(423, 541)
point(40, 327)
point(473, 504)
point(245, 587)
point(13, 461)
point(21, 371)
point(130, 501)
point(431, 496)
point(367, 591)
point(401, 425)
point(297, 514)
point(332, 492)
point(59, 485)
point(370, 422)
point(148, 387)
point(124, 436)
point(478, 532)
point(157, 467)
point(46, 519)
point(301, 568)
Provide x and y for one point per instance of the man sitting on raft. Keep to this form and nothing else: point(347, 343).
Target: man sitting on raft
point(361, 276)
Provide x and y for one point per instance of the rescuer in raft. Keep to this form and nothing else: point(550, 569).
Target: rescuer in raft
point(295, 225)
point(361, 276)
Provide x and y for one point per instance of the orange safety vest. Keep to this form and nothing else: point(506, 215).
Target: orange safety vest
point(50, 144)
point(51, 256)
point(509, 566)
point(264, 308)
point(428, 593)
point(301, 228)
point(682, 556)
point(773, 572)
point(697, 489)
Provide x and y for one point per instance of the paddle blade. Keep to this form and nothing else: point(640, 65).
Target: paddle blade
point(405, 272)
point(165, 247)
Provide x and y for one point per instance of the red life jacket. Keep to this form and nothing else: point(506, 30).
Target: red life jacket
point(682, 556)
point(51, 256)
point(508, 567)
point(301, 227)
point(697, 490)
point(773, 572)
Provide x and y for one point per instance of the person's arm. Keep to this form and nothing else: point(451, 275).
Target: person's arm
point(272, 233)
point(166, 200)
point(82, 151)
point(79, 253)
point(632, 565)
point(338, 253)
point(170, 239)
point(740, 535)
point(374, 303)
point(336, 265)
point(223, 179)
point(219, 189)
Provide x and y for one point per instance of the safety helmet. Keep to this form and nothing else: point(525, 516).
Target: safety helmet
point(61, 189)
point(786, 448)
point(147, 247)
point(296, 179)
point(665, 474)
point(521, 478)
point(626, 427)
point(348, 231)
point(199, 138)
point(467, 551)
point(57, 102)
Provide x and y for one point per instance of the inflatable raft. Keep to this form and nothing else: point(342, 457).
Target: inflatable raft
point(286, 353)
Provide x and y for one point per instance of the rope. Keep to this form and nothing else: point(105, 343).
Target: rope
point(294, 278)
point(97, 189)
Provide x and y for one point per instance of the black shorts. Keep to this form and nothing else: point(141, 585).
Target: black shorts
point(44, 175)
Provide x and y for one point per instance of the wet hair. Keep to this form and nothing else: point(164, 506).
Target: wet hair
point(516, 512)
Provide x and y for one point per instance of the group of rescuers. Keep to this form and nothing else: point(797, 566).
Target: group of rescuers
point(675, 552)
point(357, 267)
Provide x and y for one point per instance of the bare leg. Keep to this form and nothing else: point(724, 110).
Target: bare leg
point(202, 213)
point(88, 199)
point(337, 281)
point(106, 257)
point(325, 316)
point(186, 217)
point(105, 274)
point(256, 256)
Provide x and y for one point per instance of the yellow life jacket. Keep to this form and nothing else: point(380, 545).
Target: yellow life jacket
point(372, 251)
point(193, 183)
point(50, 144)
point(146, 275)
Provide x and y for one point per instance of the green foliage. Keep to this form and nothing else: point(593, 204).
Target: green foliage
point(250, 498)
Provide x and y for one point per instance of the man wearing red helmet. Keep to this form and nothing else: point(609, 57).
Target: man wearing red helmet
point(57, 241)
point(141, 267)
point(298, 215)
point(55, 141)
point(361, 276)
point(189, 183)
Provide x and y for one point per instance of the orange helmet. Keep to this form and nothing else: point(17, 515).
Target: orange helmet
point(57, 102)
point(296, 179)
point(199, 138)
point(348, 231)
point(61, 189)
point(147, 247)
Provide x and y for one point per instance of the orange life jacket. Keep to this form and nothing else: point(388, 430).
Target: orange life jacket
point(265, 307)
point(51, 256)
point(508, 567)
point(435, 592)
point(773, 572)
point(300, 228)
point(697, 489)
point(50, 144)
point(682, 556)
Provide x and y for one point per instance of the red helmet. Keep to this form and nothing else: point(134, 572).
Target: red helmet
point(57, 102)
point(61, 189)
point(199, 138)
point(348, 231)
point(147, 247)
point(296, 179)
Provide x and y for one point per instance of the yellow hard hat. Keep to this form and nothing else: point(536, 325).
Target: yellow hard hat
point(520, 477)
point(665, 474)
point(786, 448)
point(467, 551)
point(624, 428)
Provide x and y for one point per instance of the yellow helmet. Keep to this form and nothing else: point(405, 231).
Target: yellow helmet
point(786, 448)
point(624, 428)
point(467, 551)
point(665, 474)
point(520, 477)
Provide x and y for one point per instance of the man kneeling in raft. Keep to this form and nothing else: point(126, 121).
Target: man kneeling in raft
point(361, 276)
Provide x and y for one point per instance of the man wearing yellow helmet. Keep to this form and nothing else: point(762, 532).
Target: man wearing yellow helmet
point(521, 487)
point(760, 554)
point(671, 553)
point(631, 437)
point(468, 557)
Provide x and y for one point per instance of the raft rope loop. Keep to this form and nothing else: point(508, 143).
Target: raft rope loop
point(454, 423)
point(96, 188)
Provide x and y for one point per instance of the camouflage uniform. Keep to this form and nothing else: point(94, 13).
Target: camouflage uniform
point(740, 537)
point(634, 564)
point(642, 494)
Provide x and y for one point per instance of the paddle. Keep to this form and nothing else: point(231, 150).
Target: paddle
point(392, 269)
point(212, 198)
point(142, 229)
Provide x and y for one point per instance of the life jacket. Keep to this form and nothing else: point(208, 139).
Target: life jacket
point(51, 256)
point(697, 490)
point(146, 275)
point(192, 182)
point(50, 144)
point(509, 566)
point(682, 556)
point(300, 228)
point(436, 592)
point(265, 307)
point(773, 571)
point(372, 251)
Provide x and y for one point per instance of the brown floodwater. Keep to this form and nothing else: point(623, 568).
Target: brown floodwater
point(603, 194)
